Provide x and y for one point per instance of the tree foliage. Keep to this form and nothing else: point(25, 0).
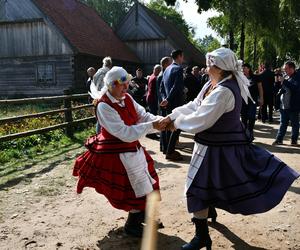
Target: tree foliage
point(172, 15)
point(112, 11)
point(258, 30)
point(208, 43)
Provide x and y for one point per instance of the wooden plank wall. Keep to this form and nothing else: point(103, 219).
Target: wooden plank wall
point(30, 39)
point(18, 76)
point(150, 51)
point(25, 42)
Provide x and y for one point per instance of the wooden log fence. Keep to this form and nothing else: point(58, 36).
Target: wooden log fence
point(67, 110)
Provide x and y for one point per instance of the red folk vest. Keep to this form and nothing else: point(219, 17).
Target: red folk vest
point(106, 143)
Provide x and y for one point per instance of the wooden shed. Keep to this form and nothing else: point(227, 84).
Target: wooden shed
point(47, 45)
point(153, 37)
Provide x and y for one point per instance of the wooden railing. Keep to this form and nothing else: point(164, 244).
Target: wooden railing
point(68, 123)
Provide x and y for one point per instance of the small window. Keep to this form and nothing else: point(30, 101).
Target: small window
point(45, 73)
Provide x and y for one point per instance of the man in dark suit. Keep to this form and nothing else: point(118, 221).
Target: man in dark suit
point(289, 104)
point(172, 97)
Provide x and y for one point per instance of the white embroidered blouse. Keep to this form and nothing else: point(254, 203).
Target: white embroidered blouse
point(199, 115)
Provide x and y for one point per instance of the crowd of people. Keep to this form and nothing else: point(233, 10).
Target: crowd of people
point(218, 105)
point(271, 90)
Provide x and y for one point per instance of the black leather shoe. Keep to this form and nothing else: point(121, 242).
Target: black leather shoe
point(294, 143)
point(175, 156)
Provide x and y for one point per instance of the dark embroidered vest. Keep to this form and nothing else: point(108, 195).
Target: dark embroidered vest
point(228, 129)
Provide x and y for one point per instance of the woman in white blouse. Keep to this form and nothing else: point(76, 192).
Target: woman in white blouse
point(226, 171)
point(116, 165)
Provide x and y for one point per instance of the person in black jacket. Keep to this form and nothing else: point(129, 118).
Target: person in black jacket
point(138, 87)
point(165, 62)
point(289, 104)
point(172, 93)
point(192, 81)
point(248, 112)
point(267, 78)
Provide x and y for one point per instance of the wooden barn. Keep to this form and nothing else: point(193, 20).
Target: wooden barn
point(47, 45)
point(153, 37)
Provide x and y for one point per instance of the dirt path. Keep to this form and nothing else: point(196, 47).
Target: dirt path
point(46, 213)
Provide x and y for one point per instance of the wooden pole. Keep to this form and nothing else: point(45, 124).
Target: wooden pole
point(150, 231)
point(68, 113)
point(41, 99)
point(51, 112)
point(45, 130)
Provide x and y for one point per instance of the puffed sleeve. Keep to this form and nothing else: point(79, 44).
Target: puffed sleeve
point(220, 101)
point(110, 119)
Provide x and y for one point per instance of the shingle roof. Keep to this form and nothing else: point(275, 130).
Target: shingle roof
point(84, 29)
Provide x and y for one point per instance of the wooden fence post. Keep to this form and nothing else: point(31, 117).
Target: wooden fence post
point(68, 113)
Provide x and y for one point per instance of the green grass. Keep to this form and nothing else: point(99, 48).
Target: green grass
point(26, 157)
point(17, 164)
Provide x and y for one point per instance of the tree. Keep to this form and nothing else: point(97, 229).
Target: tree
point(266, 30)
point(288, 39)
point(208, 43)
point(172, 15)
point(112, 11)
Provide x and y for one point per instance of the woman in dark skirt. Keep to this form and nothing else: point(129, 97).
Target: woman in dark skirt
point(226, 171)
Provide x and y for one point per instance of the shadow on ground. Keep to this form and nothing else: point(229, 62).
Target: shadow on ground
point(238, 243)
point(185, 135)
point(34, 163)
point(150, 152)
point(286, 149)
point(27, 177)
point(186, 159)
point(295, 190)
point(117, 239)
point(45, 168)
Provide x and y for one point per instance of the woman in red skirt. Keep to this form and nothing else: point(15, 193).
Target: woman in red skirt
point(116, 165)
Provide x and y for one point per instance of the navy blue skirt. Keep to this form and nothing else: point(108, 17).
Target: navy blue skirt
point(243, 179)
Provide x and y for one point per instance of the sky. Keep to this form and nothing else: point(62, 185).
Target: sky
point(193, 18)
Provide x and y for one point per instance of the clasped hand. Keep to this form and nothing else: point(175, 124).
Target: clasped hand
point(164, 124)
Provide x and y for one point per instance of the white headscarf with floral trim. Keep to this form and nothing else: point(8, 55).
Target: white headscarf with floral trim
point(114, 76)
point(225, 59)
